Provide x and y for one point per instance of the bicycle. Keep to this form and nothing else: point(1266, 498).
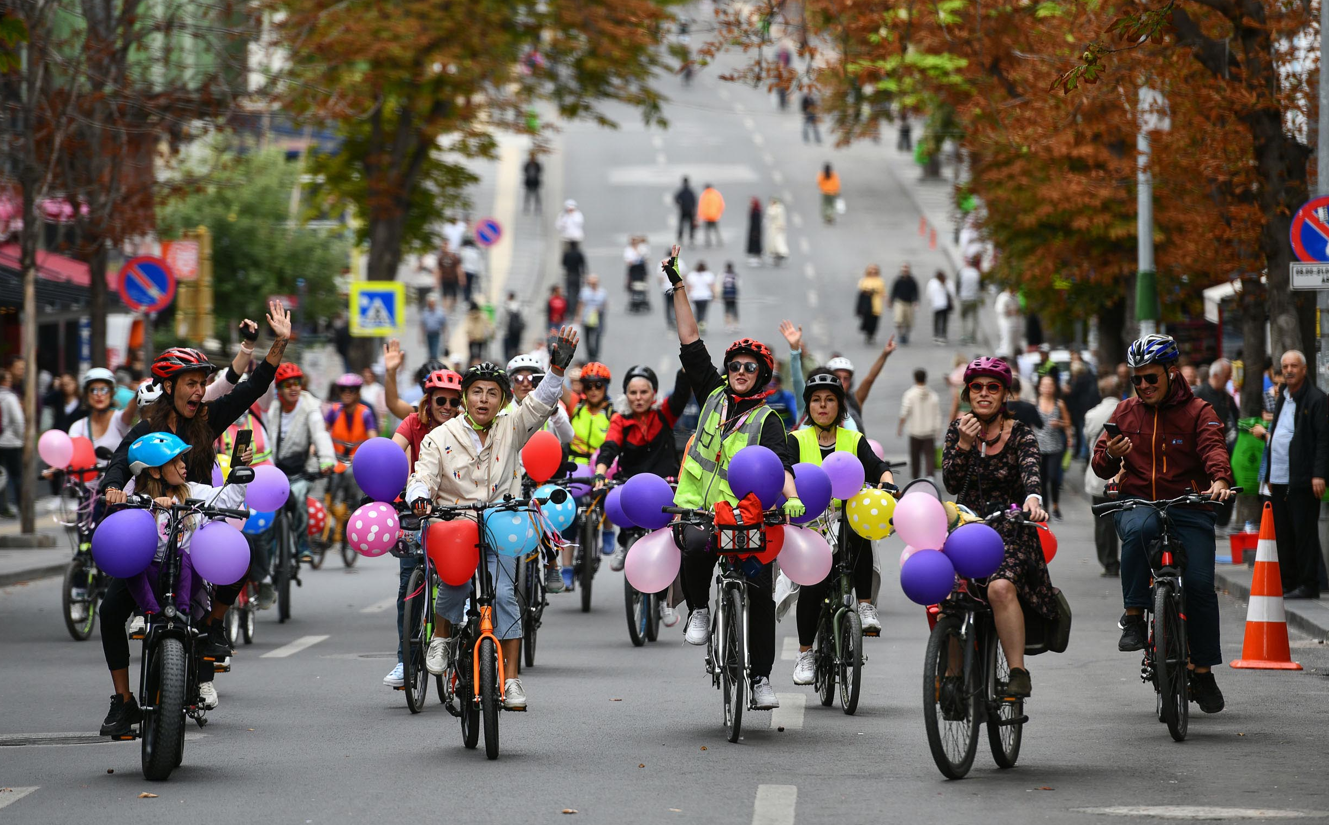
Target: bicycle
point(240, 619)
point(643, 609)
point(531, 591)
point(965, 674)
point(168, 673)
point(285, 561)
point(727, 648)
point(418, 615)
point(586, 560)
point(84, 583)
point(340, 499)
point(1166, 616)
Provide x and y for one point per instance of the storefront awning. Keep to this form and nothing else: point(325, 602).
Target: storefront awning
point(1214, 296)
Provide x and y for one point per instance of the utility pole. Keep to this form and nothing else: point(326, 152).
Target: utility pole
point(1322, 185)
point(1152, 115)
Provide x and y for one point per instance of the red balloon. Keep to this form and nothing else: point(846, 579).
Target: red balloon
point(774, 541)
point(85, 456)
point(318, 515)
point(1049, 543)
point(452, 547)
point(542, 456)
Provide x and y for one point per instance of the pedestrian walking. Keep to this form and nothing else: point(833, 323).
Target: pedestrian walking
point(729, 292)
point(920, 412)
point(531, 175)
point(514, 326)
point(341, 340)
point(686, 201)
point(11, 444)
point(454, 229)
point(701, 291)
point(829, 184)
point(1105, 530)
point(941, 298)
point(754, 232)
point(591, 305)
point(1082, 396)
point(904, 298)
point(449, 274)
point(1052, 439)
point(777, 232)
point(810, 117)
point(574, 267)
point(1007, 307)
point(710, 208)
point(479, 329)
point(971, 299)
point(556, 308)
point(472, 268)
point(871, 298)
point(433, 323)
point(904, 139)
point(571, 223)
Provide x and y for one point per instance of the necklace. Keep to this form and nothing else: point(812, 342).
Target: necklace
point(988, 442)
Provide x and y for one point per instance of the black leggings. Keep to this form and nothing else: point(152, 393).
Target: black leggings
point(699, 569)
point(810, 598)
point(117, 606)
point(1052, 478)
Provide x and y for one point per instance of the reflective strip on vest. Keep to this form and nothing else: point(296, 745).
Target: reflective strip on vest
point(696, 492)
point(589, 430)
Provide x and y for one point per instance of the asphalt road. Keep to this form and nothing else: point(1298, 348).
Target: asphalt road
point(306, 732)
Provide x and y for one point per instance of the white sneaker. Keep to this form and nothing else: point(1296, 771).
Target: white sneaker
point(395, 678)
point(436, 658)
point(137, 627)
point(207, 695)
point(514, 698)
point(699, 627)
point(616, 561)
point(805, 669)
point(867, 616)
point(763, 695)
point(668, 615)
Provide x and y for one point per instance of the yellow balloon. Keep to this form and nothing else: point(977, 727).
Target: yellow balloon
point(870, 514)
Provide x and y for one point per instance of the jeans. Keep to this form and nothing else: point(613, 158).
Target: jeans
point(431, 343)
point(922, 455)
point(689, 220)
point(699, 310)
point(712, 226)
point(940, 317)
point(811, 123)
point(592, 341)
point(828, 207)
point(1052, 478)
point(969, 320)
point(451, 603)
point(1297, 528)
point(1195, 529)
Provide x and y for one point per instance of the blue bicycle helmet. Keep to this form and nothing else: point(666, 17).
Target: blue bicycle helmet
point(154, 450)
point(1152, 349)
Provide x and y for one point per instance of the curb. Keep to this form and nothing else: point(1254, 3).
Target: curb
point(27, 541)
point(1295, 621)
point(33, 574)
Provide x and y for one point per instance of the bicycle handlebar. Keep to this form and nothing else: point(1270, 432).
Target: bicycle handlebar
point(1109, 507)
point(191, 505)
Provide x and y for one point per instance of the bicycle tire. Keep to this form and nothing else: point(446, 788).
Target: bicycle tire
point(318, 551)
point(442, 694)
point(953, 742)
point(469, 711)
point(283, 576)
point(164, 725)
point(653, 617)
point(1170, 664)
point(1004, 740)
point(77, 573)
point(824, 661)
point(232, 624)
point(637, 604)
point(247, 627)
point(489, 695)
point(348, 554)
point(415, 679)
point(530, 614)
point(734, 669)
point(590, 551)
point(851, 661)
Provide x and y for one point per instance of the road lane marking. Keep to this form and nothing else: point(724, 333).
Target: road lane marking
point(724, 93)
point(294, 647)
point(775, 805)
point(803, 245)
point(798, 220)
point(790, 713)
point(810, 271)
point(777, 176)
point(758, 139)
point(788, 197)
point(657, 141)
point(379, 607)
point(660, 158)
point(740, 108)
point(813, 300)
point(790, 650)
point(769, 158)
point(748, 123)
point(8, 796)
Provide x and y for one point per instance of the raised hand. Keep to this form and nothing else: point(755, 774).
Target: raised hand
point(889, 348)
point(794, 335)
point(669, 266)
point(392, 356)
point(562, 348)
point(249, 330)
point(279, 318)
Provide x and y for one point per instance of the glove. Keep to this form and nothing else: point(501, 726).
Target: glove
point(249, 331)
point(794, 508)
point(561, 351)
point(670, 267)
point(420, 506)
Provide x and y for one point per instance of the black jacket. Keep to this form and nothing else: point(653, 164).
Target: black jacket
point(686, 200)
point(905, 289)
point(1308, 457)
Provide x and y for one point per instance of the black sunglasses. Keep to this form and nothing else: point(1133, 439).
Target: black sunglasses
point(741, 366)
point(593, 385)
point(1148, 378)
point(445, 401)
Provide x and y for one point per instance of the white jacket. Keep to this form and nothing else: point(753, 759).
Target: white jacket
point(11, 431)
point(230, 497)
point(308, 429)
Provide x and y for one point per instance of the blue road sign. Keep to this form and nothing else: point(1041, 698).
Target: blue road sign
point(487, 232)
point(378, 308)
point(147, 284)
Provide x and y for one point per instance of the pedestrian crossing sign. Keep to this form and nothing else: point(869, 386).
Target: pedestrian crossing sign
point(378, 309)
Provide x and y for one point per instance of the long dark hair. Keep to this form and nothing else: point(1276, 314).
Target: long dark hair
point(196, 432)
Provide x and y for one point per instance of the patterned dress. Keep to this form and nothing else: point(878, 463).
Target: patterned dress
point(1002, 479)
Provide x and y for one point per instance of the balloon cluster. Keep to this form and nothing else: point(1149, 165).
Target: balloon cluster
point(932, 557)
point(63, 452)
point(380, 469)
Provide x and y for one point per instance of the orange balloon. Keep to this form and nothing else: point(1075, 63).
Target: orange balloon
point(452, 547)
point(542, 456)
point(1048, 541)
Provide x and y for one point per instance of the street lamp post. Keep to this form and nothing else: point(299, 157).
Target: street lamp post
point(1152, 117)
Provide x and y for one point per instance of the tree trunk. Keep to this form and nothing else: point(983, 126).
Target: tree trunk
point(1111, 336)
point(1252, 303)
point(28, 345)
point(97, 303)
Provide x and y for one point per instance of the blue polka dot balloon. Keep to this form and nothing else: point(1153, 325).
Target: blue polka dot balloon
point(560, 515)
point(258, 523)
point(511, 533)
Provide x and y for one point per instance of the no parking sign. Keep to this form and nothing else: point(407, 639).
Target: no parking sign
point(487, 232)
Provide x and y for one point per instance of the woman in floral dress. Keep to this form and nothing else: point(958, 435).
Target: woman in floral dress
point(993, 461)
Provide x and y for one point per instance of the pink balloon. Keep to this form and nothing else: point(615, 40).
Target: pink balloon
point(653, 561)
point(805, 557)
point(920, 520)
point(373, 529)
point(877, 448)
point(908, 551)
point(55, 448)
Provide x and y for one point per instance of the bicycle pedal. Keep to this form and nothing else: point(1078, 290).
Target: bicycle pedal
point(872, 633)
point(124, 737)
point(515, 710)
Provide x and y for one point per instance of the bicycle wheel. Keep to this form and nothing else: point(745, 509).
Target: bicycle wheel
point(80, 613)
point(232, 624)
point(164, 725)
point(247, 625)
point(528, 584)
point(653, 605)
point(851, 660)
point(638, 605)
point(590, 555)
point(489, 695)
point(1004, 735)
point(470, 712)
point(415, 677)
point(734, 671)
point(318, 548)
point(348, 554)
point(950, 712)
point(1170, 663)
point(824, 658)
point(282, 577)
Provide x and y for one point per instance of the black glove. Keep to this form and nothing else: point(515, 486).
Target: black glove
point(250, 335)
point(670, 267)
point(561, 351)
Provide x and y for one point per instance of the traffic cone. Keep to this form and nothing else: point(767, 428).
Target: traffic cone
point(1265, 646)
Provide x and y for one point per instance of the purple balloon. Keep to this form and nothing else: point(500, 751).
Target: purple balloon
point(217, 479)
point(380, 469)
point(927, 577)
point(125, 542)
point(814, 490)
point(642, 498)
point(846, 473)
point(976, 550)
point(582, 471)
point(268, 491)
point(220, 553)
point(614, 509)
point(756, 469)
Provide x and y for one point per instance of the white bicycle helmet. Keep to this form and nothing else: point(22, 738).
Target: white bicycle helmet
point(840, 363)
point(97, 374)
point(525, 361)
point(148, 392)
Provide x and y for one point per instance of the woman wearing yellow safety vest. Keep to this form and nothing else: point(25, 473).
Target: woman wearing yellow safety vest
point(590, 425)
point(733, 415)
point(824, 399)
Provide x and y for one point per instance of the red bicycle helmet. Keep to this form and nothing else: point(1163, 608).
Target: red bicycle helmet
point(176, 360)
point(286, 371)
point(595, 370)
point(994, 367)
point(754, 348)
point(443, 380)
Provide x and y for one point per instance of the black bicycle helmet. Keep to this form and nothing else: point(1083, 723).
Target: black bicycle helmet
point(426, 369)
point(823, 379)
point(487, 371)
point(640, 371)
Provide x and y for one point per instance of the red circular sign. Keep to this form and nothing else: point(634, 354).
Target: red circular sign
point(147, 284)
point(1309, 234)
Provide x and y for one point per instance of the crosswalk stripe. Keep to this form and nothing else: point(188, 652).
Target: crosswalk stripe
point(790, 713)
point(9, 796)
point(379, 607)
point(775, 805)
point(294, 647)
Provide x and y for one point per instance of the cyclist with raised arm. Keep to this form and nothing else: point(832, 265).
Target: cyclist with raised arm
point(1170, 443)
point(296, 428)
point(476, 459)
point(733, 415)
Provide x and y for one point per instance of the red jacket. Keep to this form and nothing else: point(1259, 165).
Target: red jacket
point(1177, 447)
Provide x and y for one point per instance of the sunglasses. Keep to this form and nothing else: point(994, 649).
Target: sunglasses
point(741, 366)
point(990, 387)
point(1150, 378)
point(445, 401)
point(593, 385)
point(293, 382)
point(103, 390)
point(526, 378)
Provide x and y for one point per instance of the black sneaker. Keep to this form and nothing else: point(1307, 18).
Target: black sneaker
point(1205, 692)
point(1019, 684)
point(122, 717)
point(214, 643)
point(1134, 634)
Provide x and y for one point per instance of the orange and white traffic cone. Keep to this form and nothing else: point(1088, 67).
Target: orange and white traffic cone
point(1266, 646)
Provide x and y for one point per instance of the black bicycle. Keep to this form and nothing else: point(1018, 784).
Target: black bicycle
point(586, 560)
point(1166, 653)
point(643, 609)
point(417, 626)
point(84, 583)
point(531, 591)
point(285, 558)
point(168, 673)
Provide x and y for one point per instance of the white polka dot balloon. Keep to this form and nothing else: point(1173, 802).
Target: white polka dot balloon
point(373, 529)
point(511, 533)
